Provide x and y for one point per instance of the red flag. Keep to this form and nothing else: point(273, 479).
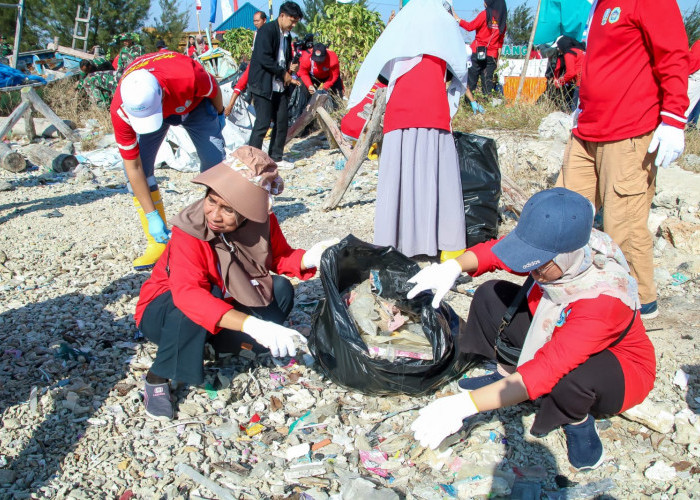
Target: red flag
point(199, 4)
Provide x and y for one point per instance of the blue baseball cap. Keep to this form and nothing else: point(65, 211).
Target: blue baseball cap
point(552, 222)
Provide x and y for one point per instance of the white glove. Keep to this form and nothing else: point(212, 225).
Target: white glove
point(277, 338)
point(442, 418)
point(312, 257)
point(670, 141)
point(438, 277)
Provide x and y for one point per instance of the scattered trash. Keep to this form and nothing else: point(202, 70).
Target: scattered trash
point(372, 461)
point(589, 490)
point(679, 279)
point(67, 352)
point(305, 470)
point(297, 451)
point(660, 472)
point(681, 379)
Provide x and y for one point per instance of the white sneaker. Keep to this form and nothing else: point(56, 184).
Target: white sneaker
point(285, 165)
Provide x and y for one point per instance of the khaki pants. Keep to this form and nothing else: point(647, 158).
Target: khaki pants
point(620, 176)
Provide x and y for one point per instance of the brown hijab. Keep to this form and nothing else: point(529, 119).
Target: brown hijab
point(245, 180)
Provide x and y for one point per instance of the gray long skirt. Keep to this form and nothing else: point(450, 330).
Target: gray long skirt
point(419, 207)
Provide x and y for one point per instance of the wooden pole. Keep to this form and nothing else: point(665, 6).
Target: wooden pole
point(14, 118)
point(45, 110)
point(29, 128)
point(371, 133)
point(529, 49)
point(11, 161)
point(330, 128)
point(18, 32)
point(316, 101)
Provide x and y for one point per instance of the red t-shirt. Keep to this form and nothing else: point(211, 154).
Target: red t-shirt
point(635, 73)
point(419, 98)
point(486, 36)
point(327, 71)
point(194, 268)
point(185, 83)
point(591, 325)
point(574, 67)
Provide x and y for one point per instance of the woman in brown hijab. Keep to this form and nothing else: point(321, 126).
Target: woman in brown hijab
point(214, 281)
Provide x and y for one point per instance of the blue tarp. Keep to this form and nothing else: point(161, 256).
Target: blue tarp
point(10, 77)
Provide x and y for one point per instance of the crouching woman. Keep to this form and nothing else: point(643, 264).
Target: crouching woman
point(577, 342)
point(214, 282)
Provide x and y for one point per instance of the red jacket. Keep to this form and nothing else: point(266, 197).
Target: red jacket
point(574, 67)
point(486, 36)
point(327, 71)
point(694, 57)
point(242, 82)
point(194, 268)
point(635, 74)
point(591, 325)
point(185, 84)
point(419, 98)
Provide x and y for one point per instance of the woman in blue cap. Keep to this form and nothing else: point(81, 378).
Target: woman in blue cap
point(577, 342)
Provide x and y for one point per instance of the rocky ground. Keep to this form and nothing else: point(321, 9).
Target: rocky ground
point(71, 369)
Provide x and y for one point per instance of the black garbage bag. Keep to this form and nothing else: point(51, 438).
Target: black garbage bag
point(336, 343)
point(481, 185)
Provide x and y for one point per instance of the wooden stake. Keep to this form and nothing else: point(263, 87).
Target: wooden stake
point(529, 49)
point(14, 118)
point(45, 110)
point(330, 128)
point(29, 128)
point(316, 101)
point(10, 160)
point(371, 132)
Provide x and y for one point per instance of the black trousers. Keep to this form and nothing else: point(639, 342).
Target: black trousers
point(484, 69)
point(181, 341)
point(597, 386)
point(268, 111)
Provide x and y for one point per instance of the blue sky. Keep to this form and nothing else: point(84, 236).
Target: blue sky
point(464, 8)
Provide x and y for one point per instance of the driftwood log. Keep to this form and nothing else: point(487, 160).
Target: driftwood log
point(316, 102)
point(44, 109)
point(14, 118)
point(371, 133)
point(10, 160)
point(333, 133)
point(40, 154)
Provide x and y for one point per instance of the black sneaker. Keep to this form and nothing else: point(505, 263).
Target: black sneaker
point(473, 383)
point(156, 399)
point(583, 444)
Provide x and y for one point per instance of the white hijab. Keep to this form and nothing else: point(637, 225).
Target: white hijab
point(597, 269)
point(420, 27)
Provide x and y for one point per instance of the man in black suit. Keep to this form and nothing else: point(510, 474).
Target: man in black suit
point(270, 77)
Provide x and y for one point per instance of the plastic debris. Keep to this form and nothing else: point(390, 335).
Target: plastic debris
point(304, 470)
point(297, 451)
point(588, 490)
point(321, 444)
point(679, 279)
point(373, 460)
point(211, 392)
point(359, 488)
point(681, 379)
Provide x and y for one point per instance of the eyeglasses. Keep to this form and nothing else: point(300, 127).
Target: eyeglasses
point(545, 267)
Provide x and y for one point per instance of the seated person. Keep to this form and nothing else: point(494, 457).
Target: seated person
point(319, 69)
point(577, 342)
point(214, 281)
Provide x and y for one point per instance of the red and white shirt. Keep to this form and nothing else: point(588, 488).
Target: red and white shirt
point(486, 36)
point(185, 84)
point(327, 71)
point(635, 74)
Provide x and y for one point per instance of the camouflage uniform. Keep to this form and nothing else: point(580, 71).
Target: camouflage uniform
point(127, 55)
point(100, 87)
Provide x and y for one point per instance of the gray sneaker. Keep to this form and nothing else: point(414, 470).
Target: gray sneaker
point(156, 399)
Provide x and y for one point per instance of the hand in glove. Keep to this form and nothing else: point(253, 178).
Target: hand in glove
point(670, 142)
point(157, 228)
point(438, 277)
point(477, 108)
point(312, 257)
point(442, 418)
point(277, 338)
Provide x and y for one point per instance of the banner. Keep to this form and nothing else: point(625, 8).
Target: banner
point(212, 11)
point(562, 17)
point(226, 9)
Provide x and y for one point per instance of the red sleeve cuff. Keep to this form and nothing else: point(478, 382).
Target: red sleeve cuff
point(673, 119)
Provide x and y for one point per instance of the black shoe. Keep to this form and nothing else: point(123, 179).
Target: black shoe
point(583, 444)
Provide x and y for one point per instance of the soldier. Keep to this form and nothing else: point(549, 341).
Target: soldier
point(131, 49)
point(99, 81)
